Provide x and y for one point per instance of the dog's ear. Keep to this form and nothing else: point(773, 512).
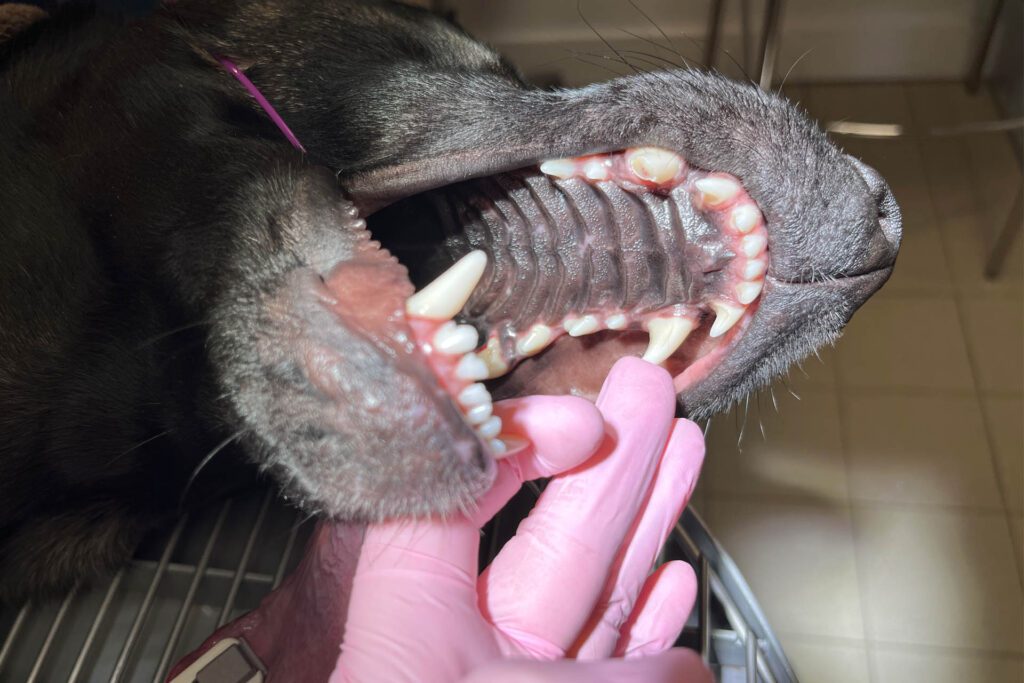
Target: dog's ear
point(16, 17)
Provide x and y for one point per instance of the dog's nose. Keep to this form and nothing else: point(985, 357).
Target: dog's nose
point(890, 222)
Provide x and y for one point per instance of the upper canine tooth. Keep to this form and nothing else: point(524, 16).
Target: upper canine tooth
point(655, 164)
point(536, 339)
point(445, 296)
point(560, 168)
point(716, 191)
point(456, 339)
point(746, 292)
point(726, 315)
point(577, 327)
point(667, 335)
point(745, 218)
point(753, 244)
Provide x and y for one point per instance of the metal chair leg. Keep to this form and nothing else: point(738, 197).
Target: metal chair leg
point(1004, 240)
point(770, 42)
point(978, 66)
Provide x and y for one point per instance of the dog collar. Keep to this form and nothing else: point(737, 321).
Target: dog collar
point(232, 69)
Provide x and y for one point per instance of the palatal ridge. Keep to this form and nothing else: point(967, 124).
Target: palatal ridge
point(719, 196)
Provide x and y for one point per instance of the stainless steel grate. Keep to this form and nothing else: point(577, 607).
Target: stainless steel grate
point(212, 567)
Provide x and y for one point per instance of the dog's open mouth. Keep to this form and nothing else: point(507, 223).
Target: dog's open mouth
point(553, 272)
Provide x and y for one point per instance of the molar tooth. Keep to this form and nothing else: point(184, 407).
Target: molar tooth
point(667, 335)
point(716, 191)
point(655, 164)
point(726, 315)
point(479, 414)
point(491, 428)
point(445, 296)
point(754, 244)
point(471, 368)
point(754, 268)
point(536, 339)
point(491, 357)
point(474, 395)
point(577, 327)
point(616, 321)
point(560, 168)
point(746, 292)
point(745, 218)
point(456, 339)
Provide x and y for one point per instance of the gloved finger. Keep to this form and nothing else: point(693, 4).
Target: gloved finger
point(562, 552)
point(678, 665)
point(674, 482)
point(559, 432)
point(660, 613)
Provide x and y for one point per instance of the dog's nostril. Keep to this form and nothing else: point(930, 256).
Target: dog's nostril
point(889, 219)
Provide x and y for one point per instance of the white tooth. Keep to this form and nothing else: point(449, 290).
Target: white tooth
point(595, 169)
point(726, 315)
point(491, 357)
point(654, 164)
point(716, 190)
point(456, 339)
point(667, 335)
point(491, 428)
point(746, 292)
point(445, 296)
point(471, 368)
point(536, 339)
point(745, 218)
point(752, 245)
point(474, 395)
point(498, 447)
point(577, 327)
point(615, 322)
point(479, 414)
point(560, 168)
point(754, 269)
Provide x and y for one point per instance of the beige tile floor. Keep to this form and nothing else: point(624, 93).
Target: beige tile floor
point(879, 521)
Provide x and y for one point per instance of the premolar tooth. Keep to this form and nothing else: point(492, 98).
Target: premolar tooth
point(616, 321)
point(491, 428)
point(491, 357)
point(577, 327)
point(754, 268)
point(746, 292)
point(536, 339)
point(745, 218)
point(445, 296)
point(717, 191)
point(479, 414)
point(655, 164)
point(560, 168)
point(726, 315)
point(474, 395)
point(595, 169)
point(471, 368)
point(667, 335)
point(456, 339)
point(752, 245)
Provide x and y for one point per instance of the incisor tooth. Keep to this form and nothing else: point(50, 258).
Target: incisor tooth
point(754, 268)
point(745, 218)
point(560, 168)
point(717, 191)
point(474, 395)
point(667, 335)
point(445, 296)
point(726, 315)
point(498, 447)
point(616, 321)
point(752, 245)
point(577, 327)
point(456, 339)
point(479, 414)
point(655, 164)
point(491, 428)
point(536, 339)
point(490, 356)
point(595, 170)
point(746, 292)
point(471, 368)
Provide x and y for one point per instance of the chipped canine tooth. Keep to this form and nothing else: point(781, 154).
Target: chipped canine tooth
point(752, 245)
point(479, 414)
point(536, 339)
point(456, 339)
point(471, 368)
point(654, 164)
point(745, 218)
point(491, 357)
point(615, 322)
point(491, 428)
point(577, 327)
point(754, 268)
point(446, 295)
point(717, 191)
point(474, 395)
point(726, 315)
point(746, 292)
point(560, 168)
point(667, 335)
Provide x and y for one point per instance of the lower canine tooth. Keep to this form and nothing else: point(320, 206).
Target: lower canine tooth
point(654, 164)
point(717, 191)
point(667, 335)
point(578, 327)
point(471, 368)
point(456, 339)
point(726, 315)
point(560, 168)
point(491, 428)
point(536, 339)
point(746, 292)
point(446, 295)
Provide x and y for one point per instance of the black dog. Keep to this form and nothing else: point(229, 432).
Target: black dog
point(181, 288)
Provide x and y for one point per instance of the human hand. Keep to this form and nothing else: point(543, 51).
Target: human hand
point(572, 588)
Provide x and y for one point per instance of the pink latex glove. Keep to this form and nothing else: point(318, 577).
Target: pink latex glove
point(573, 583)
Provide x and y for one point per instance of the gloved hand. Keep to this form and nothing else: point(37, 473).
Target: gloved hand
point(572, 588)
